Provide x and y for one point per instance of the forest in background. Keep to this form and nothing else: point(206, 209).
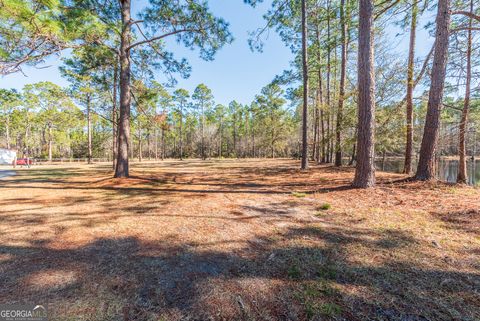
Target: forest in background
point(320, 94)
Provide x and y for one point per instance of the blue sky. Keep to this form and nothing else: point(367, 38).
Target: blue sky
point(237, 72)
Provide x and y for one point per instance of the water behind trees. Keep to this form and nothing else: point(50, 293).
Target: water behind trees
point(447, 169)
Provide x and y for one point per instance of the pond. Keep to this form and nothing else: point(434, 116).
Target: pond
point(447, 169)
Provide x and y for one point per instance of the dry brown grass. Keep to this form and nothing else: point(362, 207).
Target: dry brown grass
point(238, 240)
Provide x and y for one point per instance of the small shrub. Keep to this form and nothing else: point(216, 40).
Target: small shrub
point(324, 207)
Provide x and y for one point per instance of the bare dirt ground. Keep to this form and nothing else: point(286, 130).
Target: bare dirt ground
point(237, 240)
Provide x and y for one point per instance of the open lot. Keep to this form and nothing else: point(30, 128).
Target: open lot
point(237, 240)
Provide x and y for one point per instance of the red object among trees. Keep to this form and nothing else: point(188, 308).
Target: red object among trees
point(24, 161)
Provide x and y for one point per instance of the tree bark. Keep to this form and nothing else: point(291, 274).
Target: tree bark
point(341, 98)
point(304, 164)
point(365, 168)
point(410, 85)
point(462, 164)
point(122, 168)
point(426, 163)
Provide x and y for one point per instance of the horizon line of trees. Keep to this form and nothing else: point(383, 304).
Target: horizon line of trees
point(356, 98)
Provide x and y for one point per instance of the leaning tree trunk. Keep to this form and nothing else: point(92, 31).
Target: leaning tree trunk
point(365, 168)
point(341, 97)
point(304, 164)
point(124, 122)
point(426, 163)
point(462, 164)
point(410, 84)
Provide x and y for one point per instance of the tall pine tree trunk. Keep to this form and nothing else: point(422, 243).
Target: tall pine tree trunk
point(304, 164)
point(329, 70)
point(163, 144)
point(7, 131)
point(50, 142)
point(341, 98)
point(122, 169)
point(315, 132)
point(462, 164)
point(140, 144)
point(89, 129)
point(365, 168)
point(181, 134)
point(320, 100)
point(155, 141)
point(426, 163)
point(410, 85)
point(203, 133)
point(114, 116)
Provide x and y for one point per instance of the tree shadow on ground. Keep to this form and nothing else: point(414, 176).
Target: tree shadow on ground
point(140, 280)
point(465, 220)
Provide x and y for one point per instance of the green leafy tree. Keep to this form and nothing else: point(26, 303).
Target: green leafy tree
point(10, 100)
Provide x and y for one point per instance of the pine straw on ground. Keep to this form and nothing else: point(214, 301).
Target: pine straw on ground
point(238, 240)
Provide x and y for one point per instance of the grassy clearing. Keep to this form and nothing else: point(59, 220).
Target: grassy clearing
point(225, 240)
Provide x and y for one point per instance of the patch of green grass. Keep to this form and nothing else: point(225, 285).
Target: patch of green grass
point(313, 309)
point(327, 272)
point(294, 272)
point(330, 309)
point(324, 207)
point(311, 291)
point(310, 310)
point(299, 194)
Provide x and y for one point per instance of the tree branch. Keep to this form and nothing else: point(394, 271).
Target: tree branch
point(468, 14)
point(139, 43)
